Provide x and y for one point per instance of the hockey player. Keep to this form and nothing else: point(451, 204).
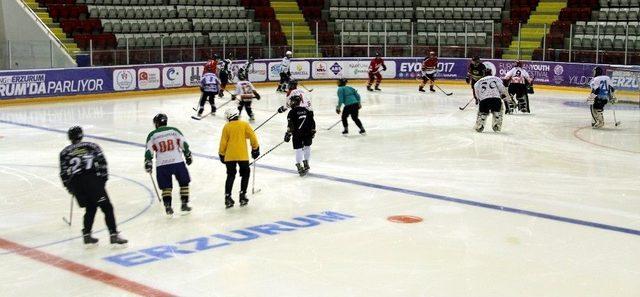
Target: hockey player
point(225, 75)
point(83, 170)
point(489, 92)
point(210, 87)
point(374, 72)
point(601, 94)
point(245, 67)
point(301, 128)
point(169, 145)
point(233, 151)
point(351, 100)
point(305, 101)
point(429, 70)
point(518, 80)
point(212, 65)
point(476, 71)
point(285, 72)
point(246, 93)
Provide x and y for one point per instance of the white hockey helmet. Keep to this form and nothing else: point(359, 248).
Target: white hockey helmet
point(288, 53)
point(231, 114)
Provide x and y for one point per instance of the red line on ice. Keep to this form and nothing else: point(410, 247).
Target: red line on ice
point(83, 270)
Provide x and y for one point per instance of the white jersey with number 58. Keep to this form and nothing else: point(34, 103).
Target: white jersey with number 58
point(489, 87)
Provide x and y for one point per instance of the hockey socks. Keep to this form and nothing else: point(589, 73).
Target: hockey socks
point(184, 198)
point(166, 200)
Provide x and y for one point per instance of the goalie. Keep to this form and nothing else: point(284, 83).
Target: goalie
point(601, 94)
point(520, 85)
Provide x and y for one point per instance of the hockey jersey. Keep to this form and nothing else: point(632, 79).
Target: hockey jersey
point(211, 66)
point(489, 87)
point(226, 65)
point(285, 65)
point(306, 100)
point(210, 83)
point(430, 66)
point(517, 75)
point(375, 65)
point(300, 121)
point(476, 72)
point(168, 144)
point(82, 158)
point(244, 87)
point(601, 87)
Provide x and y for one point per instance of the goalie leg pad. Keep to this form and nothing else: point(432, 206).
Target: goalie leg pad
point(497, 121)
point(482, 117)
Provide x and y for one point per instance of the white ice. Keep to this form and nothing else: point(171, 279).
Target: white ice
point(484, 198)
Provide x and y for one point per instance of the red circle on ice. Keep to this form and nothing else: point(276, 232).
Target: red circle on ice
point(404, 219)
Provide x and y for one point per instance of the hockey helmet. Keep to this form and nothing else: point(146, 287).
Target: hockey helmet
point(488, 72)
point(216, 57)
point(75, 134)
point(432, 53)
point(251, 59)
point(295, 101)
point(518, 63)
point(342, 82)
point(476, 59)
point(288, 54)
point(597, 71)
point(293, 84)
point(160, 120)
point(231, 114)
point(241, 74)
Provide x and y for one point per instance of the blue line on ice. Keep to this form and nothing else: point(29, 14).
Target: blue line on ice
point(385, 188)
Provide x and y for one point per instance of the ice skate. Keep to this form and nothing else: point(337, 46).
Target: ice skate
point(243, 199)
point(228, 202)
point(117, 241)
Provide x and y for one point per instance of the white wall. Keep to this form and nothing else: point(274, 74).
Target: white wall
point(30, 42)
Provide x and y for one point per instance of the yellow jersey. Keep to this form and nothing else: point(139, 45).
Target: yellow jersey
point(233, 143)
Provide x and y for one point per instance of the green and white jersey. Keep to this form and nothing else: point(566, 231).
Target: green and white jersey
point(168, 144)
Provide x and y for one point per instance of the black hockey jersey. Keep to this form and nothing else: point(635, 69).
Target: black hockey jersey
point(301, 121)
point(83, 158)
point(476, 72)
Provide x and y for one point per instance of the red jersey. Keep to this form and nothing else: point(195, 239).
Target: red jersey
point(375, 65)
point(430, 65)
point(211, 66)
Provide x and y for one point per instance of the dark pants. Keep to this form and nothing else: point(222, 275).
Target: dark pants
point(207, 96)
point(599, 103)
point(375, 76)
point(490, 105)
point(299, 141)
point(284, 79)
point(351, 110)
point(90, 193)
point(245, 172)
point(247, 105)
point(224, 81)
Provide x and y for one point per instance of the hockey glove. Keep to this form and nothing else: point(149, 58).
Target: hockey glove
point(148, 166)
point(221, 158)
point(359, 106)
point(467, 79)
point(255, 153)
point(384, 68)
point(188, 158)
point(288, 73)
point(282, 109)
point(591, 98)
point(287, 137)
point(313, 133)
point(221, 93)
point(233, 97)
point(255, 93)
point(613, 99)
point(338, 110)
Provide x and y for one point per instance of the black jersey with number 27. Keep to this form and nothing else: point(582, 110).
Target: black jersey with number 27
point(83, 158)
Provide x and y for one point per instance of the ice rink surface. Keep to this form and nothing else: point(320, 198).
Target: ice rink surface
point(548, 207)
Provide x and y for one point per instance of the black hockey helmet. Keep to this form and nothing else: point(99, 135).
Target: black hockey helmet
point(75, 134)
point(293, 84)
point(216, 57)
point(241, 74)
point(597, 71)
point(295, 100)
point(160, 120)
point(476, 59)
point(342, 82)
point(518, 63)
point(488, 72)
point(251, 59)
point(377, 54)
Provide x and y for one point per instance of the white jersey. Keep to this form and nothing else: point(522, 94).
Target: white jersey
point(285, 65)
point(517, 75)
point(167, 143)
point(210, 83)
point(244, 88)
point(489, 87)
point(306, 100)
point(601, 86)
